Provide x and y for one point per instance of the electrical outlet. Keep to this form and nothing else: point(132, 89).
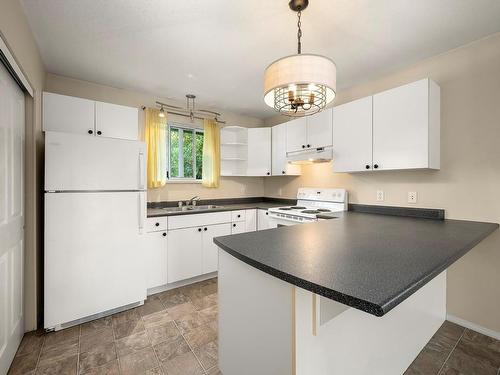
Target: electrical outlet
point(412, 197)
point(380, 195)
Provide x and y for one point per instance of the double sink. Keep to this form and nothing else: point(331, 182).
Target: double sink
point(191, 208)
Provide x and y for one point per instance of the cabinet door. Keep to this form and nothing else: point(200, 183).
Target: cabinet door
point(185, 253)
point(352, 136)
point(116, 121)
point(63, 113)
point(210, 249)
point(238, 227)
point(296, 135)
point(262, 220)
point(319, 129)
point(155, 258)
point(278, 158)
point(400, 127)
point(250, 220)
point(259, 152)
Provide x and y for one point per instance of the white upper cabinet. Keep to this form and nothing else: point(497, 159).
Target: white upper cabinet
point(68, 114)
point(406, 127)
point(296, 134)
point(116, 121)
point(352, 136)
point(309, 132)
point(319, 129)
point(395, 129)
point(63, 113)
point(280, 165)
point(259, 152)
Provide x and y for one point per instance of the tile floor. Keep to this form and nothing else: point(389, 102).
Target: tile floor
point(175, 332)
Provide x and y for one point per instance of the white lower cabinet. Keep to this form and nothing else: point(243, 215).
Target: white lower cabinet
point(250, 220)
point(238, 227)
point(155, 257)
point(210, 252)
point(262, 219)
point(184, 253)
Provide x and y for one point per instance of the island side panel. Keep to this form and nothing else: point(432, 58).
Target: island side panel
point(256, 320)
point(350, 341)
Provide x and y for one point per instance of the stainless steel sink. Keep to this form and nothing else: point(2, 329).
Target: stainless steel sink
point(190, 208)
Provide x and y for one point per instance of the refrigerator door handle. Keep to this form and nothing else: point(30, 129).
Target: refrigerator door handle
point(142, 212)
point(142, 174)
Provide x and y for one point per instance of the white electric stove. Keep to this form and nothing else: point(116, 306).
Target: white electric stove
point(310, 203)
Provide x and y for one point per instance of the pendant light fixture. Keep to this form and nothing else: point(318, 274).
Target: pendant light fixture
point(301, 84)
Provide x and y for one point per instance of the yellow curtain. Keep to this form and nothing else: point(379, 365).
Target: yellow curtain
point(211, 154)
point(155, 135)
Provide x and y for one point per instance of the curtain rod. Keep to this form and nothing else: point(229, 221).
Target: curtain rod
point(196, 117)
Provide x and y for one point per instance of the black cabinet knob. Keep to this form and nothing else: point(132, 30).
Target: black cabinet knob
point(308, 145)
point(303, 146)
point(91, 131)
point(268, 173)
point(283, 172)
point(267, 213)
point(99, 132)
point(375, 166)
point(205, 229)
point(199, 229)
point(367, 166)
point(234, 225)
point(239, 215)
point(157, 224)
point(164, 234)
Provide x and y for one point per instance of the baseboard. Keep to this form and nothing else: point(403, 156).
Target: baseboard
point(473, 326)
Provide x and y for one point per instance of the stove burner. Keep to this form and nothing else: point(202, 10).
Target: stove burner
point(285, 208)
point(311, 211)
point(297, 207)
point(324, 210)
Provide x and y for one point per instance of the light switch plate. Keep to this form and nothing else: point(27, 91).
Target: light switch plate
point(412, 197)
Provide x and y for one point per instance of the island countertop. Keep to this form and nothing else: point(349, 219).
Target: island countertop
point(367, 261)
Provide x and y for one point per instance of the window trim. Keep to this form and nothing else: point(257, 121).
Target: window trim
point(181, 127)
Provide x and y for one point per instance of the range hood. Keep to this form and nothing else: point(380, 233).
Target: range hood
point(310, 156)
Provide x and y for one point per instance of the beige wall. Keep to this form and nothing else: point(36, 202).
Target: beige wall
point(468, 183)
point(229, 187)
point(17, 34)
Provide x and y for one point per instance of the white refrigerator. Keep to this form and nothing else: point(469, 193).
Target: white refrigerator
point(95, 209)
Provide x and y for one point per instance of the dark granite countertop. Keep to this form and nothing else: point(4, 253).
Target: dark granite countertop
point(367, 261)
point(156, 212)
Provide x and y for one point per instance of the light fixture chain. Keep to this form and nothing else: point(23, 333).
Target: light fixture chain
point(299, 33)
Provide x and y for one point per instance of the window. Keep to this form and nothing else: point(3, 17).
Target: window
point(185, 153)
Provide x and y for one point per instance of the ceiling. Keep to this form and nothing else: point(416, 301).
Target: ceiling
point(218, 49)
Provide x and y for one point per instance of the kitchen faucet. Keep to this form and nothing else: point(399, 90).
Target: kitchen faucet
point(192, 201)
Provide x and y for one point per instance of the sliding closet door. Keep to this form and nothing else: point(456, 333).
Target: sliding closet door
point(11, 217)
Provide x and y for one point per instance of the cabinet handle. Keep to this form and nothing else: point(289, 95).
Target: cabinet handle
point(199, 229)
point(303, 146)
point(268, 173)
point(157, 224)
point(91, 131)
point(234, 225)
point(99, 132)
point(239, 215)
point(283, 172)
point(267, 213)
point(204, 229)
point(367, 166)
point(375, 166)
point(164, 234)
point(308, 146)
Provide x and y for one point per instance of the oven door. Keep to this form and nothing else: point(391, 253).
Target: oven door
point(276, 222)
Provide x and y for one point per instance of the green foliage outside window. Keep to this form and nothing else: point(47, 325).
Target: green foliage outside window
point(186, 163)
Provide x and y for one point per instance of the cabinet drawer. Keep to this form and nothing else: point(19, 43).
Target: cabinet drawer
point(195, 220)
point(156, 224)
point(238, 215)
point(238, 227)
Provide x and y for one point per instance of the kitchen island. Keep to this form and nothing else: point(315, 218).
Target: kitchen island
point(359, 294)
